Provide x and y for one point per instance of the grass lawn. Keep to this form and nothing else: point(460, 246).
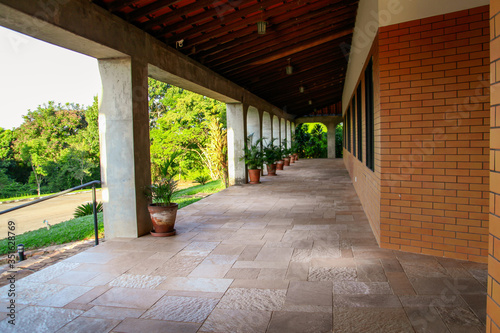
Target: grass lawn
point(83, 227)
point(64, 232)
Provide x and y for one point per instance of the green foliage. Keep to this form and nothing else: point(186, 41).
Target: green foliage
point(162, 193)
point(163, 190)
point(272, 153)
point(65, 232)
point(58, 143)
point(285, 152)
point(194, 124)
point(203, 179)
point(339, 136)
point(252, 153)
point(87, 209)
point(311, 140)
point(214, 152)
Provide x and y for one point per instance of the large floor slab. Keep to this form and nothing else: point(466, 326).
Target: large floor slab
point(292, 254)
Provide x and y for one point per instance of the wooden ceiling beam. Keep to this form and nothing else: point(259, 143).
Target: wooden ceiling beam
point(117, 5)
point(231, 17)
point(327, 48)
point(292, 36)
point(280, 31)
point(178, 13)
point(234, 19)
point(315, 62)
point(257, 59)
point(150, 9)
point(251, 53)
point(310, 93)
point(308, 80)
point(228, 33)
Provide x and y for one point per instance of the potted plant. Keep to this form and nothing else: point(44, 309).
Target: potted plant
point(286, 154)
point(280, 163)
point(162, 210)
point(295, 149)
point(271, 155)
point(253, 158)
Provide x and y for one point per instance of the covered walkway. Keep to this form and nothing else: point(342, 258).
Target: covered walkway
point(293, 254)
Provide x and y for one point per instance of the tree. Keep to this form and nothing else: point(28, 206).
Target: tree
point(180, 120)
point(43, 137)
point(339, 135)
point(214, 153)
point(312, 140)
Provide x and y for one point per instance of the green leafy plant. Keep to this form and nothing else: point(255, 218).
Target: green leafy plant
point(203, 179)
point(87, 209)
point(162, 192)
point(285, 152)
point(253, 156)
point(271, 152)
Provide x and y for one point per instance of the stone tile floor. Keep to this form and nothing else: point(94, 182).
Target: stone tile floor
point(292, 254)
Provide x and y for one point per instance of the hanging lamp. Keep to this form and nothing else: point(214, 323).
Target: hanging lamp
point(261, 25)
point(289, 68)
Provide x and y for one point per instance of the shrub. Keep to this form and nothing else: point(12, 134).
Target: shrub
point(87, 209)
point(202, 179)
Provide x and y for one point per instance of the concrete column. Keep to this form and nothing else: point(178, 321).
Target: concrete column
point(288, 135)
point(124, 143)
point(276, 130)
point(331, 127)
point(235, 143)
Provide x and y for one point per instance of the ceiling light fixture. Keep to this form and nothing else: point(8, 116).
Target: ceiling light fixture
point(310, 102)
point(261, 25)
point(289, 68)
point(301, 89)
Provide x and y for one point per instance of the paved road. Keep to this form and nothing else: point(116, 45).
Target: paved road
point(54, 210)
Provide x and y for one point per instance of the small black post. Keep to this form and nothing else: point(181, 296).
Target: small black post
point(96, 227)
point(20, 252)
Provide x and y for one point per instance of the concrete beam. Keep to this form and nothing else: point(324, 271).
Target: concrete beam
point(84, 27)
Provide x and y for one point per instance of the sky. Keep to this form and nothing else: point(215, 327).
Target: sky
point(33, 72)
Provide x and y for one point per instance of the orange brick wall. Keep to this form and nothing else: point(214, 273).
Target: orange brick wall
point(493, 307)
point(434, 135)
point(365, 181)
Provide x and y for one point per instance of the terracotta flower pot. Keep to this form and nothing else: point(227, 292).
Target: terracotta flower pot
point(287, 161)
point(296, 156)
point(163, 218)
point(271, 169)
point(254, 175)
point(292, 159)
point(279, 165)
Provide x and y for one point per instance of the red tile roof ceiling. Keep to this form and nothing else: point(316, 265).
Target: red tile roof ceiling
point(222, 35)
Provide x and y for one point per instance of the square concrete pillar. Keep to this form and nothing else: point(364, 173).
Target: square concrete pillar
point(235, 143)
point(124, 143)
point(331, 128)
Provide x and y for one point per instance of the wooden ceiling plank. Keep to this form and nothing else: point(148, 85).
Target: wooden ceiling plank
point(256, 58)
point(320, 50)
point(117, 5)
point(150, 9)
point(226, 19)
point(177, 13)
point(222, 35)
point(290, 35)
point(308, 79)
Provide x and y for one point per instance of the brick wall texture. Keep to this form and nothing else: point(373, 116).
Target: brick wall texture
point(432, 126)
point(493, 307)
